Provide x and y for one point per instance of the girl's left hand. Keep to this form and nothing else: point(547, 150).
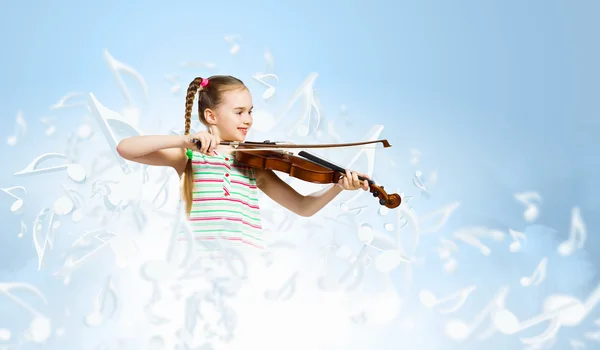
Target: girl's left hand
point(351, 182)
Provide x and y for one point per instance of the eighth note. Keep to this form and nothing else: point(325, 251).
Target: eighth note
point(109, 292)
point(429, 300)
point(271, 89)
point(51, 127)
point(538, 275)
point(20, 130)
point(18, 204)
point(235, 48)
point(75, 171)
point(577, 234)
point(515, 245)
point(529, 199)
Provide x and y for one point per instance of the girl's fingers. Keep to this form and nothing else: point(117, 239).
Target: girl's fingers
point(355, 181)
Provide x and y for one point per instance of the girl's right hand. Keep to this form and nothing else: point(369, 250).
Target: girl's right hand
point(208, 142)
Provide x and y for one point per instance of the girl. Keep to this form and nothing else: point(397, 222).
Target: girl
point(221, 196)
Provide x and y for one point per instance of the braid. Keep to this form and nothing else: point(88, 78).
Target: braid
point(188, 175)
point(189, 103)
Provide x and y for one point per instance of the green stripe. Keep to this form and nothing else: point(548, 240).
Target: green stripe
point(221, 174)
point(250, 199)
point(207, 172)
point(238, 208)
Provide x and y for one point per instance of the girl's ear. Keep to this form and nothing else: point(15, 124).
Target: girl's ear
point(210, 116)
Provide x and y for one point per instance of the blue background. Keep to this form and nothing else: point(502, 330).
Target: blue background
point(499, 96)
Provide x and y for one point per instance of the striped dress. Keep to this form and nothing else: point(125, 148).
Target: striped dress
point(225, 202)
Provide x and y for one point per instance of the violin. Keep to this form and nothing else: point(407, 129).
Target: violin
point(268, 155)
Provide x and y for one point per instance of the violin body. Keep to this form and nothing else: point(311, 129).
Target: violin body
point(290, 164)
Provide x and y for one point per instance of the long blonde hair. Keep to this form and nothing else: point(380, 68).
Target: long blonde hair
point(209, 96)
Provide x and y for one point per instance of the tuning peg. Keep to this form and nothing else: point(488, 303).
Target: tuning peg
point(382, 201)
point(375, 193)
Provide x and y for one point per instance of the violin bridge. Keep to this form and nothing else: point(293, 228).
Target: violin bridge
point(234, 144)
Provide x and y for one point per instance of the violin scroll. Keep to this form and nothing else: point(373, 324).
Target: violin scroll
point(389, 200)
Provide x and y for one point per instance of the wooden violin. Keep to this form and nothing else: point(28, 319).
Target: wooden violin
point(304, 166)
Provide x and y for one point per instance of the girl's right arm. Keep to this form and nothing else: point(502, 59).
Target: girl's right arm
point(161, 150)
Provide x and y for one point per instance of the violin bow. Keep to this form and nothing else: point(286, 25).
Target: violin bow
point(267, 145)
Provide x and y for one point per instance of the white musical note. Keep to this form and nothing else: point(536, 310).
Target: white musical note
point(559, 310)
point(446, 249)
point(20, 130)
point(286, 291)
point(577, 234)
point(173, 79)
point(418, 182)
point(515, 245)
point(538, 275)
point(64, 205)
point(235, 47)
point(62, 103)
point(105, 305)
point(459, 330)
point(43, 233)
point(112, 124)
point(304, 91)
point(100, 239)
point(429, 300)
point(40, 327)
point(117, 67)
point(17, 205)
point(23, 230)
point(270, 89)
point(51, 129)
point(441, 215)
point(473, 241)
point(74, 171)
point(529, 199)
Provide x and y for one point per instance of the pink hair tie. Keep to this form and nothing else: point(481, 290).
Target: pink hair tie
point(204, 82)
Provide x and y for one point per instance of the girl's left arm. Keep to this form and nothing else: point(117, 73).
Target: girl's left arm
point(282, 193)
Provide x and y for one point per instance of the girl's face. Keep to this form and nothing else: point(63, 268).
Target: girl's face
point(234, 115)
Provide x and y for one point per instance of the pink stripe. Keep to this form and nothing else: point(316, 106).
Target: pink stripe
point(242, 183)
point(210, 218)
point(210, 163)
point(226, 199)
point(207, 180)
point(227, 238)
